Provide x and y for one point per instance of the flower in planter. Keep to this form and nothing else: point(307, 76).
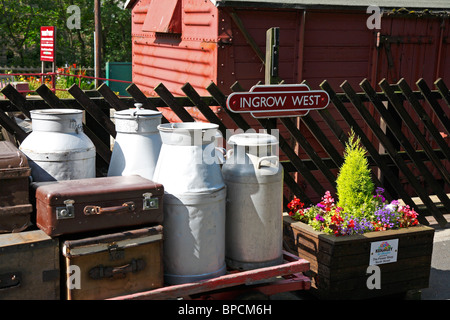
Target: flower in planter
point(358, 210)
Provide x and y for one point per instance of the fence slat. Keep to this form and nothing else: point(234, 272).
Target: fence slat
point(427, 175)
point(54, 102)
point(221, 99)
point(204, 109)
point(140, 97)
point(408, 174)
point(426, 92)
point(395, 156)
point(295, 132)
point(382, 137)
point(444, 92)
point(93, 110)
point(171, 102)
point(322, 139)
point(12, 127)
point(17, 99)
point(294, 186)
point(111, 97)
point(365, 114)
point(391, 123)
point(332, 124)
point(423, 116)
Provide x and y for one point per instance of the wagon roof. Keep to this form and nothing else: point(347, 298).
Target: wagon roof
point(409, 4)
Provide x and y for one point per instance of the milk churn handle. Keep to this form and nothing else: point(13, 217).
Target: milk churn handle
point(229, 154)
point(268, 158)
point(138, 107)
point(222, 151)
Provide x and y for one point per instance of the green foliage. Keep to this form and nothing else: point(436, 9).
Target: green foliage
point(20, 24)
point(354, 184)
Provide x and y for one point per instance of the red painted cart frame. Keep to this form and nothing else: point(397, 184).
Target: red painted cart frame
point(268, 281)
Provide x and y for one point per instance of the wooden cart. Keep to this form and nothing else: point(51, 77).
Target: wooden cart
point(255, 283)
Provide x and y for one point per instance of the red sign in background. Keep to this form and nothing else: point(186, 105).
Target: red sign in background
point(48, 44)
point(269, 101)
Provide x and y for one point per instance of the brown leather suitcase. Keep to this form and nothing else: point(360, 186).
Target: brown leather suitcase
point(29, 266)
point(83, 205)
point(15, 207)
point(113, 265)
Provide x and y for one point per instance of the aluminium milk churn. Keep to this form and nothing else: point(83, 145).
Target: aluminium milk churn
point(137, 144)
point(57, 148)
point(194, 202)
point(254, 221)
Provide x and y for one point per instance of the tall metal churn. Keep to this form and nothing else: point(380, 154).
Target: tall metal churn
point(194, 202)
point(137, 144)
point(254, 212)
point(57, 148)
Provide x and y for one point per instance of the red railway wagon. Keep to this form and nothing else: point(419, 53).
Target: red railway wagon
point(198, 41)
point(223, 41)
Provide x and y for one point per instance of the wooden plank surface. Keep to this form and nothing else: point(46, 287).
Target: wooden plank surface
point(226, 281)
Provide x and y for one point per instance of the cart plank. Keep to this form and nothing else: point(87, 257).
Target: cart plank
point(228, 280)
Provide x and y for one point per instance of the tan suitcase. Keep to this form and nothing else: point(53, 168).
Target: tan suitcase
point(29, 266)
point(15, 207)
point(113, 265)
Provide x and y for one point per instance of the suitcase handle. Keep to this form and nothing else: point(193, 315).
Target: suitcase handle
point(10, 280)
point(101, 272)
point(126, 207)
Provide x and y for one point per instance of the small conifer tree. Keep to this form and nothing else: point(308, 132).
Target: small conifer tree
point(354, 184)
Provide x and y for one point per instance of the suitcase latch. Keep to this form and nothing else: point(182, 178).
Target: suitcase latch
point(149, 202)
point(66, 212)
point(115, 253)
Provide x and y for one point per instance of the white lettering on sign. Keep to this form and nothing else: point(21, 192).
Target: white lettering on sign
point(270, 102)
point(262, 102)
point(305, 100)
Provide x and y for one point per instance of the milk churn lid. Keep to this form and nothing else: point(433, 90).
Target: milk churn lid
point(138, 111)
point(253, 139)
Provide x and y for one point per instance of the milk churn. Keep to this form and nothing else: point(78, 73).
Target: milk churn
point(137, 145)
point(194, 202)
point(254, 180)
point(57, 148)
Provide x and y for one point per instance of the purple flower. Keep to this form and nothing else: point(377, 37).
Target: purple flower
point(360, 225)
point(379, 190)
point(319, 218)
point(387, 217)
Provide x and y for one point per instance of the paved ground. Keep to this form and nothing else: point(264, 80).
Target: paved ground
point(439, 288)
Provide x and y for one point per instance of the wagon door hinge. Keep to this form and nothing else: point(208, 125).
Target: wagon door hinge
point(225, 39)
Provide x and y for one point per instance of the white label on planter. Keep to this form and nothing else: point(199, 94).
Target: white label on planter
point(383, 252)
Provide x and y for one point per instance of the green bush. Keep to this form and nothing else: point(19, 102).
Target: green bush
point(354, 184)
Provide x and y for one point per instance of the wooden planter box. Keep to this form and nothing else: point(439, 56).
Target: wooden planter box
point(339, 264)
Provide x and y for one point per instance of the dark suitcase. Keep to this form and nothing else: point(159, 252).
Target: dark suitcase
point(29, 266)
point(78, 206)
point(113, 265)
point(15, 207)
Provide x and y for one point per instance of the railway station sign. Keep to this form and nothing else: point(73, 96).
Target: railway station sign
point(270, 101)
point(48, 41)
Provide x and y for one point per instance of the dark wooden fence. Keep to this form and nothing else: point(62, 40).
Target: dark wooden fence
point(405, 133)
